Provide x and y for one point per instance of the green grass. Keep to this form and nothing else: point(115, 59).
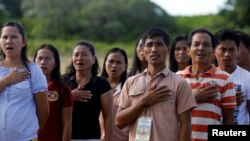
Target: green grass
point(186, 23)
point(65, 48)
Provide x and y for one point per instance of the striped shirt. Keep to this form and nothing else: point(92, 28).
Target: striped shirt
point(210, 113)
point(165, 123)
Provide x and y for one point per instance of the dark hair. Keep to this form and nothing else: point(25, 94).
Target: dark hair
point(56, 73)
point(136, 65)
point(125, 57)
point(227, 34)
point(20, 28)
point(244, 38)
point(156, 32)
point(173, 65)
point(200, 30)
point(70, 70)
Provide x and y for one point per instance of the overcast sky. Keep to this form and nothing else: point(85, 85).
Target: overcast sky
point(190, 7)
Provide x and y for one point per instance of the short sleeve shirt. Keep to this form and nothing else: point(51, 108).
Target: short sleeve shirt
point(165, 123)
point(53, 129)
point(18, 118)
point(85, 120)
point(210, 113)
point(242, 77)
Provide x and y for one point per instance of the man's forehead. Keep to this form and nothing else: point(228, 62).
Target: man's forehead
point(201, 36)
point(201, 40)
point(154, 39)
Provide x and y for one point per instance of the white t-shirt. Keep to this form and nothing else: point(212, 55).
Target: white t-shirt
point(242, 77)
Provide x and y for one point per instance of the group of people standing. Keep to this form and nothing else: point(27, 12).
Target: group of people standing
point(150, 102)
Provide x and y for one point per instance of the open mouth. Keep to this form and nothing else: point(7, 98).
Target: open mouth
point(9, 48)
point(43, 68)
point(79, 64)
point(113, 71)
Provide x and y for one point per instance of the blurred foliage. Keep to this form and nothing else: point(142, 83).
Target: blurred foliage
point(65, 46)
point(236, 14)
point(185, 23)
point(104, 20)
point(212, 22)
point(110, 23)
point(10, 8)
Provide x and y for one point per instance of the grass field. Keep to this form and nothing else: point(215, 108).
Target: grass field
point(65, 48)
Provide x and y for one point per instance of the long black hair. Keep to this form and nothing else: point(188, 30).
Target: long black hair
point(173, 65)
point(70, 70)
point(56, 72)
point(125, 57)
point(136, 64)
point(21, 30)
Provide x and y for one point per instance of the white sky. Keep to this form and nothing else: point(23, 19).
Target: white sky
point(190, 7)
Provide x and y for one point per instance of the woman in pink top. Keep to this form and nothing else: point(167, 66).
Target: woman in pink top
point(115, 70)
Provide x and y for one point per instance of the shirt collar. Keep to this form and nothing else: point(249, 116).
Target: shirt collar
point(210, 72)
point(117, 89)
point(163, 72)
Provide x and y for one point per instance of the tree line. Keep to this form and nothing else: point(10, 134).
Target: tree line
point(112, 20)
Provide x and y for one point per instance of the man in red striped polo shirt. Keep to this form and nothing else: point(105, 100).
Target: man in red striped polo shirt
point(213, 88)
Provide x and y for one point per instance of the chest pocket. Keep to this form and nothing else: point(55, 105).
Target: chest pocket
point(136, 92)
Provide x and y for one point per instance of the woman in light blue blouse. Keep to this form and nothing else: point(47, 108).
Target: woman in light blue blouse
point(23, 88)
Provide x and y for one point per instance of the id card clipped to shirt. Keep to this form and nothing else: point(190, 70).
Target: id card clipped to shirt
point(143, 129)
